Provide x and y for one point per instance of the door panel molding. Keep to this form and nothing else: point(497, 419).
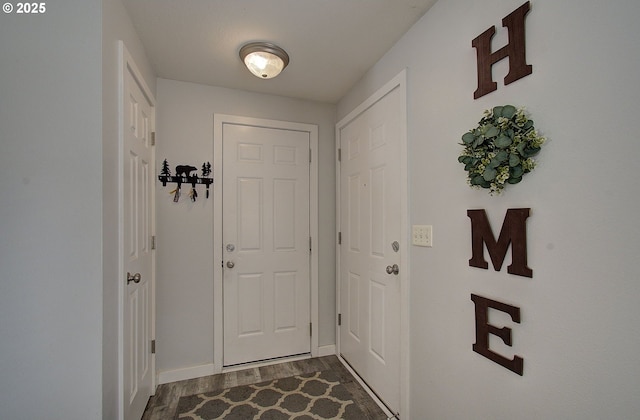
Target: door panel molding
point(351, 150)
point(251, 153)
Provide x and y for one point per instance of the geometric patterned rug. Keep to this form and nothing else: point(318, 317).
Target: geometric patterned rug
point(317, 395)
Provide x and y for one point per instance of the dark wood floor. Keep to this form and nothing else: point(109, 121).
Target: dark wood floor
point(162, 406)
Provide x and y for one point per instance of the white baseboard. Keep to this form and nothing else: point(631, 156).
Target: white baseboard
point(328, 350)
point(185, 373)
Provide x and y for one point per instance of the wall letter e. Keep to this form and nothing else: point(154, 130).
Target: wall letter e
point(483, 329)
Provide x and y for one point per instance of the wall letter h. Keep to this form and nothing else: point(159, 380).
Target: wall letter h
point(515, 50)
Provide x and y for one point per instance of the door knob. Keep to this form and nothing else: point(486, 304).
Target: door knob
point(230, 264)
point(133, 278)
point(393, 269)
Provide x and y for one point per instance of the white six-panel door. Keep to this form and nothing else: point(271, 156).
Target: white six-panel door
point(266, 243)
point(137, 166)
point(370, 223)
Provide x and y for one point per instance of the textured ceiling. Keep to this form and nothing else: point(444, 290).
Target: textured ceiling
point(332, 43)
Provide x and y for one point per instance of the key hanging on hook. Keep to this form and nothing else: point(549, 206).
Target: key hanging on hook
point(193, 194)
point(176, 196)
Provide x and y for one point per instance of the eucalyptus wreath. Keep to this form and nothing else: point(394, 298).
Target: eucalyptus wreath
point(500, 150)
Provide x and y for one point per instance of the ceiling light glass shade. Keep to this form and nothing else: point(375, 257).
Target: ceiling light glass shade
point(264, 60)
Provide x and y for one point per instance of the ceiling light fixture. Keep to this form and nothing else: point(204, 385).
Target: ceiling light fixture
point(263, 59)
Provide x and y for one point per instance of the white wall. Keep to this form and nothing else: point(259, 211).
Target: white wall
point(116, 25)
point(51, 213)
point(579, 334)
point(185, 230)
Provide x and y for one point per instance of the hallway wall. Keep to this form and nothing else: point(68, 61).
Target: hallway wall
point(185, 229)
point(580, 328)
point(51, 213)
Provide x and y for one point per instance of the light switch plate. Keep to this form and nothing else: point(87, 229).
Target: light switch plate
point(422, 235)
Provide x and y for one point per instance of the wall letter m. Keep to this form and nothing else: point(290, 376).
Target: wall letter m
point(514, 232)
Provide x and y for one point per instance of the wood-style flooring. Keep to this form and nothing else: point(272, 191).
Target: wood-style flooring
point(162, 406)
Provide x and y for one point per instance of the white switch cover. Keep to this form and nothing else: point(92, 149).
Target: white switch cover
point(422, 235)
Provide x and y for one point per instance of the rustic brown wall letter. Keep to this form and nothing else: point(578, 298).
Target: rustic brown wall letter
point(514, 232)
point(483, 329)
point(515, 50)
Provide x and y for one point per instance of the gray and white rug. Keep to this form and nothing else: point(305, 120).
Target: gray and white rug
point(317, 395)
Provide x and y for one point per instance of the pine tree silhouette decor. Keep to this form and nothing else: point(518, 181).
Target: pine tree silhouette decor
point(206, 169)
point(165, 168)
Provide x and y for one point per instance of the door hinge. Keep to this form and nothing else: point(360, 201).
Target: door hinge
point(339, 319)
point(309, 155)
point(153, 242)
point(339, 155)
point(339, 238)
point(153, 138)
point(153, 346)
point(310, 329)
point(309, 244)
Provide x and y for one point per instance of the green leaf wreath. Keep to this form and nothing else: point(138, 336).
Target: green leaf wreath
point(500, 150)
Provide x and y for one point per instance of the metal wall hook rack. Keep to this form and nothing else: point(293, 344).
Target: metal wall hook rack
point(183, 176)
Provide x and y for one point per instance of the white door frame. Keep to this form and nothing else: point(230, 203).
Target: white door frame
point(400, 82)
point(126, 63)
point(218, 122)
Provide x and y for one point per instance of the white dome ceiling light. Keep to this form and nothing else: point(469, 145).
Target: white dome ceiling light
point(263, 59)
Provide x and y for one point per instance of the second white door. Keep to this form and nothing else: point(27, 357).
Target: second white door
point(138, 115)
point(266, 243)
point(372, 246)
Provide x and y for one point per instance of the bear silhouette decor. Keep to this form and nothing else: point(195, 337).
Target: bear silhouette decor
point(185, 170)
